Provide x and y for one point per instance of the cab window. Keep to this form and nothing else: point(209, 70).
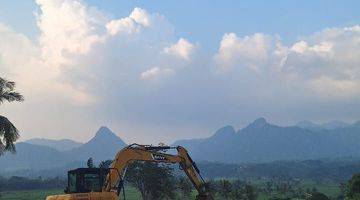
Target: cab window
point(92, 182)
point(72, 182)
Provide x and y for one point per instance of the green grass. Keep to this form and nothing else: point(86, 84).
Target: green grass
point(131, 194)
point(330, 189)
point(29, 194)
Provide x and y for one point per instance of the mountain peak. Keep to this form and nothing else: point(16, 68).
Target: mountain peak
point(103, 130)
point(224, 131)
point(258, 123)
point(104, 134)
point(102, 146)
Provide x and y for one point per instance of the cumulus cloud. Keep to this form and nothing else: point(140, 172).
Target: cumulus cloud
point(182, 49)
point(324, 62)
point(250, 51)
point(132, 24)
point(96, 70)
point(67, 27)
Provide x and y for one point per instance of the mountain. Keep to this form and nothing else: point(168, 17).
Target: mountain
point(327, 126)
point(308, 125)
point(259, 142)
point(60, 145)
point(103, 146)
point(335, 124)
point(264, 142)
point(32, 158)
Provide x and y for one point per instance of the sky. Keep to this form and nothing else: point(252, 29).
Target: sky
point(166, 70)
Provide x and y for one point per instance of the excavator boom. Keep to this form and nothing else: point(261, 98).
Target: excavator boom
point(114, 179)
point(156, 154)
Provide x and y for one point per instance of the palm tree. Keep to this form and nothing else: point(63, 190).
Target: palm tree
point(8, 132)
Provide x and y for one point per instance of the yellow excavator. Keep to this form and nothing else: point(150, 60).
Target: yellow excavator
point(106, 184)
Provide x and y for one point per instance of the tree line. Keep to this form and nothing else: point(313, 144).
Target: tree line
point(23, 183)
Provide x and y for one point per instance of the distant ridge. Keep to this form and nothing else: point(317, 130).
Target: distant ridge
point(104, 145)
point(325, 126)
point(258, 142)
point(264, 142)
point(60, 145)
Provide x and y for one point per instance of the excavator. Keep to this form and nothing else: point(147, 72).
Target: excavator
point(107, 183)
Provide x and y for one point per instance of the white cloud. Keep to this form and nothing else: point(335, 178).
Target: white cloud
point(138, 19)
point(325, 62)
point(85, 63)
point(182, 49)
point(250, 51)
point(156, 72)
point(67, 27)
point(140, 16)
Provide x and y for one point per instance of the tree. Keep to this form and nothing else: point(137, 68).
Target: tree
point(105, 164)
point(225, 188)
point(353, 188)
point(90, 163)
point(8, 132)
point(318, 196)
point(238, 189)
point(250, 192)
point(185, 188)
point(211, 187)
point(154, 181)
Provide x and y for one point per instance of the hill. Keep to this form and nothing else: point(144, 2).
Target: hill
point(104, 145)
point(60, 145)
point(264, 142)
point(325, 126)
point(29, 156)
point(34, 157)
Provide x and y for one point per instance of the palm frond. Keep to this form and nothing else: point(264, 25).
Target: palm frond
point(8, 135)
point(7, 92)
point(11, 96)
point(7, 84)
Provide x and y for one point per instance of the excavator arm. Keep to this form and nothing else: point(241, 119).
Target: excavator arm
point(156, 154)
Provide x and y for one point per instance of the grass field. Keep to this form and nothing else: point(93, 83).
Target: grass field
point(330, 189)
point(131, 194)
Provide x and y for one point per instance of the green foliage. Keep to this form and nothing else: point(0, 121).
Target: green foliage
point(8, 132)
point(211, 187)
point(250, 192)
point(318, 196)
point(224, 188)
point(353, 188)
point(154, 181)
point(232, 189)
point(23, 183)
point(105, 164)
point(185, 188)
point(90, 163)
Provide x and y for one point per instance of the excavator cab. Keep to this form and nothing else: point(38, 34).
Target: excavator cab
point(83, 180)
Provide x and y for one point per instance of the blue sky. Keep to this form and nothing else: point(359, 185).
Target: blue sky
point(205, 21)
point(157, 71)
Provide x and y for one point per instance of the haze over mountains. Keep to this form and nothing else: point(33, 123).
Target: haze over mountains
point(60, 145)
point(102, 146)
point(258, 142)
point(264, 142)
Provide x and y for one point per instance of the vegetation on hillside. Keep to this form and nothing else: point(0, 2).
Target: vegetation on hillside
point(8, 132)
